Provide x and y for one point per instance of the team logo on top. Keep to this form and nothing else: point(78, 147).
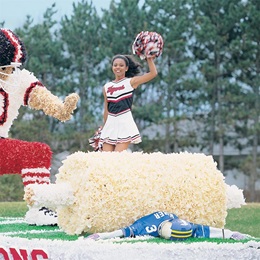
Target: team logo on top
point(113, 89)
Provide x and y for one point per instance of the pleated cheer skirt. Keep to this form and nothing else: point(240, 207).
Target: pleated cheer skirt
point(120, 129)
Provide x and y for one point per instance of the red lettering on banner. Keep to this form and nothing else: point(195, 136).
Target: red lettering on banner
point(22, 254)
point(38, 252)
point(17, 256)
point(4, 254)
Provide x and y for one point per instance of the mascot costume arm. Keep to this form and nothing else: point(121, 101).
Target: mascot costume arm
point(19, 87)
point(43, 99)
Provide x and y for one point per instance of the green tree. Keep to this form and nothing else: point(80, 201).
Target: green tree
point(46, 61)
point(247, 58)
point(217, 23)
point(121, 23)
point(81, 35)
point(178, 84)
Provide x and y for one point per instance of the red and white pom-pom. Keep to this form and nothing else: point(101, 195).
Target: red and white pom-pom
point(147, 44)
point(94, 140)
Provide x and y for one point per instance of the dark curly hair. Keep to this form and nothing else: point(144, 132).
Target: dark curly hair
point(12, 48)
point(134, 67)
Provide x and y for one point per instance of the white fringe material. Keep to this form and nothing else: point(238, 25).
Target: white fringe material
point(235, 197)
point(51, 196)
point(112, 190)
point(107, 250)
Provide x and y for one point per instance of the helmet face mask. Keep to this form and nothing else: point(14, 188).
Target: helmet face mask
point(10, 77)
point(176, 229)
point(165, 230)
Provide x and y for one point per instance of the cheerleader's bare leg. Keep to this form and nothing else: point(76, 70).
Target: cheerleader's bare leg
point(108, 147)
point(121, 147)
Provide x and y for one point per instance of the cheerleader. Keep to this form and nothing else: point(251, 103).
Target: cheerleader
point(119, 128)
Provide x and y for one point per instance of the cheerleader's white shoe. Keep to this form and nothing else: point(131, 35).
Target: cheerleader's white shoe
point(41, 217)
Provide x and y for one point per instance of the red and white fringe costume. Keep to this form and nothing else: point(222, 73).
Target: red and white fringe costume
point(32, 160)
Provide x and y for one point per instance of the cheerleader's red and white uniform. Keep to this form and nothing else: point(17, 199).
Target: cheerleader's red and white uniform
point(120, 126)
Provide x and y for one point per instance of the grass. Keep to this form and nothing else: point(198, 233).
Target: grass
point(245, 220)
point(13, 209)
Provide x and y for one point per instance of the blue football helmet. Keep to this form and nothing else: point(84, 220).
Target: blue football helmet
point(180, 229)
point(175, 229)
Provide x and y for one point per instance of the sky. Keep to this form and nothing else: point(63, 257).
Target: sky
point(14, 12)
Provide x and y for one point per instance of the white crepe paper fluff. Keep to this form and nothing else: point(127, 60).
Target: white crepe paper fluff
point(53, 195)
point(108, 249)
point(147, 44)
point(112, 190)
point(235, 197)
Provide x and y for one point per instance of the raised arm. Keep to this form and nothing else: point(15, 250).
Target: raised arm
point(137, 80)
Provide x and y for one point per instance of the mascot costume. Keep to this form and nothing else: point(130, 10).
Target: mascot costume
point(32, 160)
